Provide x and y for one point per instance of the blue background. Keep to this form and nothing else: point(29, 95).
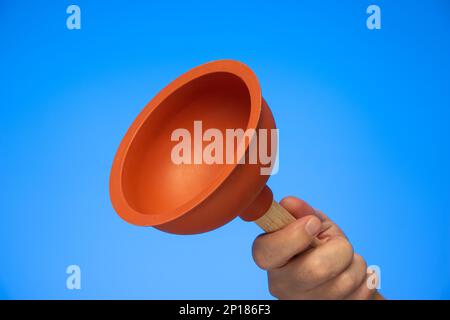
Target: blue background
point(363, 118)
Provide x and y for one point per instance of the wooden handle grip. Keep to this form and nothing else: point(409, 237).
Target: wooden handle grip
point(276, 218)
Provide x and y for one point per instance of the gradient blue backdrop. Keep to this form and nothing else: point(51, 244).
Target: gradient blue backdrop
point(363, 115)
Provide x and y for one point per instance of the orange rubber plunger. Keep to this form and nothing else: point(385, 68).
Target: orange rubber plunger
point(148, 189)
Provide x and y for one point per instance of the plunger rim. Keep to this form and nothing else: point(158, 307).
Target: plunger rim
point(118, 199)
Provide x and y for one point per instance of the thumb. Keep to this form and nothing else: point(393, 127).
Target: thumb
point(275, 249)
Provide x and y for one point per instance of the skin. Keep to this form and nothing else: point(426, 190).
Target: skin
point(298, 271)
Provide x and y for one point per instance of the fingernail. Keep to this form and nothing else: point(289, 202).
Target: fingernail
point(312, 226)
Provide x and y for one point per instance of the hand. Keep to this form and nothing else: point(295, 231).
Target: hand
point(297, 271)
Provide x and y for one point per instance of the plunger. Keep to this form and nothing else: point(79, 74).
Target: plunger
point(148, 189)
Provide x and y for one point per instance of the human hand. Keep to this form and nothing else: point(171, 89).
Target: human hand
point(298, 271)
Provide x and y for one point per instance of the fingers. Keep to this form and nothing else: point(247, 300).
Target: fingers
point(363, 292)
point(275, 249)
point(297, 207)
point(343, 284)
point(315, 267)
point(329, 228)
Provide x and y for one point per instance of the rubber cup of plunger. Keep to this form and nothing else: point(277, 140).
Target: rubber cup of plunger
point(148, 189)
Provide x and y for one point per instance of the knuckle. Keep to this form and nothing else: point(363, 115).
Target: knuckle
point(359, 260)
point(318, 268)
point(261, 261)
point(347, 247)
point(348, 282)
point(259, 254)
point(346, 250)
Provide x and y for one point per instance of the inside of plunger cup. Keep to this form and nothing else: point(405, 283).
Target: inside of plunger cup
point(152, 182)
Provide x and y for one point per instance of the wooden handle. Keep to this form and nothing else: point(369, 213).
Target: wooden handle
point(276, 218)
